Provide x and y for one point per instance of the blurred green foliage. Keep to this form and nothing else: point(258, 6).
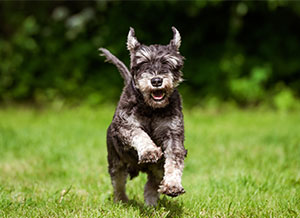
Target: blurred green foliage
point(241, 51)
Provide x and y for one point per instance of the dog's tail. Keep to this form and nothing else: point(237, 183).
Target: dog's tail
point(119, 64)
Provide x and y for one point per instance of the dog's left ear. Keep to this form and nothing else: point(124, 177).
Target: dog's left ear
point(176, 41)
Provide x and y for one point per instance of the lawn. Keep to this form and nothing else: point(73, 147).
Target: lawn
point(241, 163)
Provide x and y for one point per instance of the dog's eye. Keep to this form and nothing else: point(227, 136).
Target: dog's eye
point(163, 72)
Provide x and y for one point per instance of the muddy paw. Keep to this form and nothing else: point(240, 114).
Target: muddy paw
point(171, 190)
point(151, 155)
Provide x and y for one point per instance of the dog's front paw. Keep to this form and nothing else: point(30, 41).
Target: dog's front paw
point(150, 155)
point(172, 190)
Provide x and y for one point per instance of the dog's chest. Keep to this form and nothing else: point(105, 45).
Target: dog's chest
point(156, 127)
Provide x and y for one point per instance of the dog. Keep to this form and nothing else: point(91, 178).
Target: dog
point(147, 130)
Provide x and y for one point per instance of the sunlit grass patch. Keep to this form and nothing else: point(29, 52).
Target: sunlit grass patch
point(240, 164)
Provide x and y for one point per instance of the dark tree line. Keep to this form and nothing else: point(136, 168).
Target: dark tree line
point(242, 51)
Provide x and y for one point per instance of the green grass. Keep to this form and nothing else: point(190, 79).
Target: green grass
point(240, 164)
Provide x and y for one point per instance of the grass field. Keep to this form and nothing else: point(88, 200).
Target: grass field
point(240, 164)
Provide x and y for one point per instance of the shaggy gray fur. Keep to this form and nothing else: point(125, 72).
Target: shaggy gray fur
point(147, 133)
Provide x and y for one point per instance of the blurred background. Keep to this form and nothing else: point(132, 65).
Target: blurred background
point(239, 52)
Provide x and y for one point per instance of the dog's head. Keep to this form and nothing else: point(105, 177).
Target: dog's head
point(156, 68)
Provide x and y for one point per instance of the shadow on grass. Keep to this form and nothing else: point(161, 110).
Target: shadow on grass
point(165, 208)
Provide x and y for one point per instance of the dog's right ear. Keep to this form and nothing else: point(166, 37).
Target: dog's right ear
point(132, 41)
point(176, 41)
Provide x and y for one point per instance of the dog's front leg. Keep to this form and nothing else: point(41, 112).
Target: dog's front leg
point(147, 151)
point(174, 154)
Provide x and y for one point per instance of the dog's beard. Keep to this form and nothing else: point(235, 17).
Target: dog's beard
point(155, 97)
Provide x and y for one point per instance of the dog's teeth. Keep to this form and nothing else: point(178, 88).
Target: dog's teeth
point(157, 95)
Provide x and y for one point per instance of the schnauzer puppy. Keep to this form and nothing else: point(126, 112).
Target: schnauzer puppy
point(147, 133)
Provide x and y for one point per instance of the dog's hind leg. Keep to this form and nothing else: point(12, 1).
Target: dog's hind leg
point(118, 180)
point(117, 171)
point(151, 194)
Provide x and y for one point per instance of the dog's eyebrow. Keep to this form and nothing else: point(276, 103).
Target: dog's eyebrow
point(141, 61)
point(172, 60)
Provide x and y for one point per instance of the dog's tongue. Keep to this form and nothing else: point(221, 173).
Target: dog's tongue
point(158, 94)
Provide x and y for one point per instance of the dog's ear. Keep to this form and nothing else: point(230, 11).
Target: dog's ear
point(176, 41)
point(132, 41)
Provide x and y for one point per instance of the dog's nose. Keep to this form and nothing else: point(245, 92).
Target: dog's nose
point(156, 81)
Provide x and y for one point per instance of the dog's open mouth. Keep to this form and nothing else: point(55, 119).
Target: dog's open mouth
point(158, 95)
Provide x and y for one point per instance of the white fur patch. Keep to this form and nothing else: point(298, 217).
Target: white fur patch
point(173, 167)
point(135, 136)
point(168, 81)
point(172, 174)
point(144, 83)
point(144, 54)
point(174, 61)
point(141, 141)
